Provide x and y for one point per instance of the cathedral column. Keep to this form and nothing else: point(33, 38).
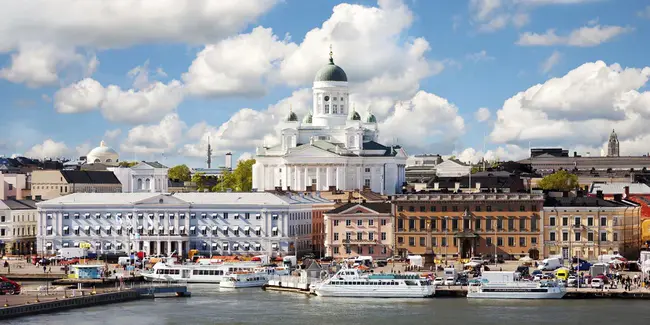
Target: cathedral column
point(295, 178)
point(338, 178)
point(328, 177)
point(318, 182)
point(305, 170)
point(287, 172)
point(359, 177)
point(344, 177)
point(158, 247)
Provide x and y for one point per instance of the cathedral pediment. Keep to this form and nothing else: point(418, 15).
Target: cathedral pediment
point(162, 200)
point(308, 150)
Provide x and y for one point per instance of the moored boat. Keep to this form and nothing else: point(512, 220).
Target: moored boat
point(244, 280)
point(195, 273)
point(352, 283)
point(506, 285)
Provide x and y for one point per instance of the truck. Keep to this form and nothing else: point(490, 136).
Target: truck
point(550, 264)
point(499, 277)
point(290, 261)
point(598, 269)
point(451, 275)
point(73, 252)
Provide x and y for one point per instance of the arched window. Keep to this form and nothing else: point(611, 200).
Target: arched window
point(140, 184)
point(97, 160)
point(147, 184)
point(108, 160)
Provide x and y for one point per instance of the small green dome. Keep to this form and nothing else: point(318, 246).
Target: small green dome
point(371, 118)
point(331, 72)
point(292, 117)
point(354, 116)
point(307, 119)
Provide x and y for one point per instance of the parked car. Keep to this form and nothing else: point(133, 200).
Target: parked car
point(8, 288)
point(572, 281)
point(450, 281)
point(438, 281)
point(500, 260)
point(597, 283)
point(462, 282)
point(381, 263)
point(327, 259)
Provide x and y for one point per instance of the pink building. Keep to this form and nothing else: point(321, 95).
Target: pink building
point(14, 186)
point(359, 229)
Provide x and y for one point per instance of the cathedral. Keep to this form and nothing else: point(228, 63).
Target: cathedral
point(333, 147)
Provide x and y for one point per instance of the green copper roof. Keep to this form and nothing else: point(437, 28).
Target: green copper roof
point(292, 117)
point(307, 119)
point(371, 118)
point(331, 72)
point(354, 116)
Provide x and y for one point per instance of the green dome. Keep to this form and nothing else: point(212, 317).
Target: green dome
point(331, 72)
point(307, 119)
point(371, 118)
point(354, 116)
point(292, 117)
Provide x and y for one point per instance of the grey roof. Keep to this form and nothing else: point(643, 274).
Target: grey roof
point(584, 201)
point(619, 188)
point(370, 145)
point(89, 177)
point(331, 72)
point(154, 164)
point(20, 204)
point(378, 207)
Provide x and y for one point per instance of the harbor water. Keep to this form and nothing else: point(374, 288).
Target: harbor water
point(211, 305)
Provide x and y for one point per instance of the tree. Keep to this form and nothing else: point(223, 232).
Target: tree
point(199, 180)
point(179, 172)
point(127, 163)
point(240, 179)
point(559, 181)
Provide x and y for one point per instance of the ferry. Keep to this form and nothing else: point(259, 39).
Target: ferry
point(506, 285)
point(352, 283)
point(195, 273)
point(244, 280)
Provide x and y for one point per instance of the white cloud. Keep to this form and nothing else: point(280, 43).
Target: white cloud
point(586, 36)
point(245, 156)
point(48, 149)
point(83, 149)
point(479, 56)
point(141, 75)
point(553, 2)
point(161, 138)
point(580, 109)
point(551, 61)
point(37, 64)
point(218, 69)
point(502, 153)
point(111, 135)
point(149, 104)
point(482, 114)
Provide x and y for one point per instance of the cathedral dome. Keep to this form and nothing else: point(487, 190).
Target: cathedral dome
point(102, 154)
point(307, 119)
point(354, 116)
point(331, 72)
point(371, 118)
point(292, 116)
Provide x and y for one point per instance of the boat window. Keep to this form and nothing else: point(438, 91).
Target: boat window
point(195, 272)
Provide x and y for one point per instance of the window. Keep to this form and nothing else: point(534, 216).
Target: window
point(359, 236)
point(336, 236)
point(454, 224)
point(565, 236)
point(225, 215)
point(511, 223)
point(603, 236)
point(443, 242)
point(247, 216)
point(274, 232)
point(444, 209)
point(335, 250)
point(400, 208)
point(466, 224)
point(478, 208)
point(360, 222)
point(258, 217)
point(371, 223)
point(204, 231)
point(383, 222)
point(348, 222)
point(590, 221)
point(193, 216)
point(411, 241)
point(477, 224)
point(400, 240)
point(533, 223)
point(488, 241)
point(98, 231)
point(551, 221)
point(590, 236)
point(454, 208)
point(443, 224)
point(565, 221)
point(423, 224)
point(400, 224)
point(615, 236)
point(522, 241)
point(511, 241)
point(366, 182)
point(76, 231)
point(522, 224)
point(577, 222)
point(499, 241)
point(66, 230)
point(65, 216)
point(603, 221)
point(367, 170)
point(383, 236)
point(258, 232)
point(551, 236)
point(533, 240)
point(411, 224)
point(488, 208)
point(423, 241)
point(336, 223)
point(109, 231)
point(499, 223)
point(236, 216)
point(434, 223)
point(522, 208)
point(371, 250)
point(327, 108)
point(488, 223)
point(411, 209)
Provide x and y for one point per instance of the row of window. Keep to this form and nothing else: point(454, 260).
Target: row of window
point(360, 250)
point(360, 236)
point(443, 222)
point(488, 241)
point(577, 221)
point(20, 218)
point(456, 208)
point(161, 216)
point(161, 231)
point(361, 222)
point(552, 236)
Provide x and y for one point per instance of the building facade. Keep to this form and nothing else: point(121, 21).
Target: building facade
point(586, 227)
point(612, 145)
point(332, 147)
point(213, 223)
point(15, 186)
point(50, 184)
point(17, 227)
point(464, 225)
point(145, 176)
point(359, 229)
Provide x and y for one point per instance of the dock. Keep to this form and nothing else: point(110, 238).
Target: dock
point(32, 304)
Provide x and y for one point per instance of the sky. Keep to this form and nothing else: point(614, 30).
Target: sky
point(477, 79)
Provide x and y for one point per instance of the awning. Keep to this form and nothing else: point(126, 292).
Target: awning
point(98, 215)
point(49, 216)
point(235, 246)
point(66, 228)
point(161, 228)
point(150, 215)
point(274, 246)
point(236, 215)
point(48, 228)
point(129, 227)
point(66, 244)
point(75, 227)
point(171, 228)
point(247, 228)
point(181, 228)
point(119, 245)
point(204, 244)
point(108, 215)
point(214, 245)
point(140, 214)
point(274, 229)
point(258, 245)
point(76, 244)
point(98, 228)
point(192, 214)
point(192, 228)
point(214, 215)
point(86, 215)
point(140, 227)
point(258, 228)
point(203, 215)
point(87, 228)
point(65, 214)
point(150, 228)
point(171, 215)
point(118, 214)
point(247, 245)
point(202, 227)
point(76, 215)
point(107, 228)
point(274, 215)
point(214, 228)
point(181, 214)
point(48, 244)
point(224, 228)
point(107, 245)
point(129, 215)
point(98, 244)
point(258, 215)
point(235, 228)
point(224, 246)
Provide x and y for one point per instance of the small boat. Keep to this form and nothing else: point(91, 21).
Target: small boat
point(506, 285)
point(352, 283)
point(195, 273)
point(244, 280)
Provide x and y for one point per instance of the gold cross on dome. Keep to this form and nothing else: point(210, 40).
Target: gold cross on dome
point(331, 53)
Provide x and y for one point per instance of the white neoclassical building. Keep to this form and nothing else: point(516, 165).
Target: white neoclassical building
point(213, 223)
point(146, 176)
point(103, 154)
point(333, 146)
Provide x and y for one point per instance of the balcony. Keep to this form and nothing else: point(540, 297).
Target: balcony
point(362, 242)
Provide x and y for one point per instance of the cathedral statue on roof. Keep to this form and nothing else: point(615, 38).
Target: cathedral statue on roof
point(333, 147)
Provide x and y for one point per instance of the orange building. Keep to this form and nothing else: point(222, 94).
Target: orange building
point(463, 225)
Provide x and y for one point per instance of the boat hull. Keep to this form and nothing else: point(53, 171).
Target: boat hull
point(374, 292)
point(242, 284)
point(516, 295)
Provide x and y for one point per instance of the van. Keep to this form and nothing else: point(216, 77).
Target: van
point(596, 283)
point(550, 264)
point(125, 260)
point(562, 274)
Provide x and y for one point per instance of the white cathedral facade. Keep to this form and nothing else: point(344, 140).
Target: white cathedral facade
point(333, 147)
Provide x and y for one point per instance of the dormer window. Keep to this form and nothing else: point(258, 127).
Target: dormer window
point(327, 108)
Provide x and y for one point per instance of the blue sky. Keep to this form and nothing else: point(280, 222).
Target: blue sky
point(65, 89)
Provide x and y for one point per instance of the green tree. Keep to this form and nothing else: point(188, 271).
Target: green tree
point(240, 179)
point(559, 181)
point(179, 172)
point(127, 163)
point(199, 180)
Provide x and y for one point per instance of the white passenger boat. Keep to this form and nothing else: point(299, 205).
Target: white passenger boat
point(506, 285)
point(244, 280)
point(351, 283)
point(195, 273)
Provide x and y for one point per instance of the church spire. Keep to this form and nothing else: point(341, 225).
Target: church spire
point(613, 145)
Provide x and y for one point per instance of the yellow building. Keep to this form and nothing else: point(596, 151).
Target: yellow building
point(586, 227)
point(50, 184)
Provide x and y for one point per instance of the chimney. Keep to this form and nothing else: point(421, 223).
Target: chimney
point(436, 186)
point(627, 191)
point(599, 194)
point(478, 185)
point(618, 197)
point(229, 161)
point(457, 186)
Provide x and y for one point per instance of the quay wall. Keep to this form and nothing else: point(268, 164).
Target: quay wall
point(69, 303)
